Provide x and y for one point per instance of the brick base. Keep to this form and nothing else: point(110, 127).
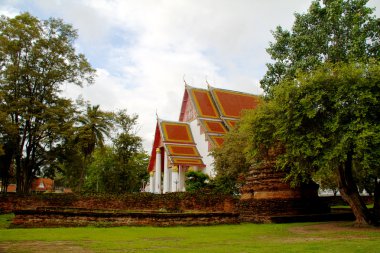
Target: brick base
point(53, 217)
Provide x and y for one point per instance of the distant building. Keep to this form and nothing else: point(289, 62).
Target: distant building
point(184, 145)
point(38, 185)
point(42, 185)
point(11, 188)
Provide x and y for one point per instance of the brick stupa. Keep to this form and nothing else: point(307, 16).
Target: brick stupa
point(266, 195)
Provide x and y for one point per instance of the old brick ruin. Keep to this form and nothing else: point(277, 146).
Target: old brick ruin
point(74, 217)
point(56, 210)
point(266, 195)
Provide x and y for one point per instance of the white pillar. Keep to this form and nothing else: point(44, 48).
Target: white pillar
point(166, 175)
point(157, 188)
point(151, 182)
point(175, 179)
point(181, 178)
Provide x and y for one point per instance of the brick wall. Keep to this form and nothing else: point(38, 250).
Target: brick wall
point(172, 202)
point(46, 217)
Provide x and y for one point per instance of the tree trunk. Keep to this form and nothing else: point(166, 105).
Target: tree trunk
point(82, 174)
point(376, 200)
point(5, 166)
point(350, 193)
point(24, 178)
point(19, 174)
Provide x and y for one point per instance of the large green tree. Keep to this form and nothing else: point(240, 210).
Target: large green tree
point(325, 121)
point(331, 31)
point(121, 167)
point(36, 58)
point(95, 125)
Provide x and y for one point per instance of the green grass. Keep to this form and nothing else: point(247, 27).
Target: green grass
point(5, 220)
point(348, 207)
point(297, 237)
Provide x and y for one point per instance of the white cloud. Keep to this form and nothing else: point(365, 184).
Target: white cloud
point(142, 49)
point(8, 11)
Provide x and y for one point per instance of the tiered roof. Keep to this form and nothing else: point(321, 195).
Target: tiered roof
point(216, 110)
point(178, 142)
point(231, 104)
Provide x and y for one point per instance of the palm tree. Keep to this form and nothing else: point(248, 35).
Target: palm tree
point(94, 126)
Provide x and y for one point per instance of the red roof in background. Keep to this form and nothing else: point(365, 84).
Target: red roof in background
point(11, 188)
point(232, 103)
point(42, 184)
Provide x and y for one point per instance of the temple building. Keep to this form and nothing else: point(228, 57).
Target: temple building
point(184, 145)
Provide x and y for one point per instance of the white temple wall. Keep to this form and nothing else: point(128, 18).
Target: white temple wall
point(202, 145)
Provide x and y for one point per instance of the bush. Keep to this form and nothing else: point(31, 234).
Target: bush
point(196, 180)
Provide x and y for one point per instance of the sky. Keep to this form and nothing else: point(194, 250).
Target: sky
point(145, 50)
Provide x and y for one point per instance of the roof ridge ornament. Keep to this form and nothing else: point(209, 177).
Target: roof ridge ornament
point(184, 80)
point(157, 117)
point(209, 87)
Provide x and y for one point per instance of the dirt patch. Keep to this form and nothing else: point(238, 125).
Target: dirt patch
point(303, 239)
point(331, 227)
point(41, 246)
point(324, 232)
point(163, 239)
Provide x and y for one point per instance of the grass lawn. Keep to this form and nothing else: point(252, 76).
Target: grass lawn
point(296, 237)
point(348, 207)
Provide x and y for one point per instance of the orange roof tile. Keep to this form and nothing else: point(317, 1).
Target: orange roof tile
point(178, 141)
point(187, 161)
point(231, 103)
point(217, 139)
point(182, 150)
point(203, 103)
point(177, 132)
point(214, 126)
point(230, 123)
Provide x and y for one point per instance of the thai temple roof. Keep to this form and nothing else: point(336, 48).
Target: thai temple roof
point(216, 111)
point(231, 103)
point(176, 132)
point(178, 141)
point(203, 103)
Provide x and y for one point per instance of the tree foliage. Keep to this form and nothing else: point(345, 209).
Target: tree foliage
point(331, 31)
point(121, 167)
point(328, 112)
point(36, 58)
point(196, 180)
point(326, 121)
point(44, 134)
point(94, 126)
point(323, 124)
point(230, 161)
